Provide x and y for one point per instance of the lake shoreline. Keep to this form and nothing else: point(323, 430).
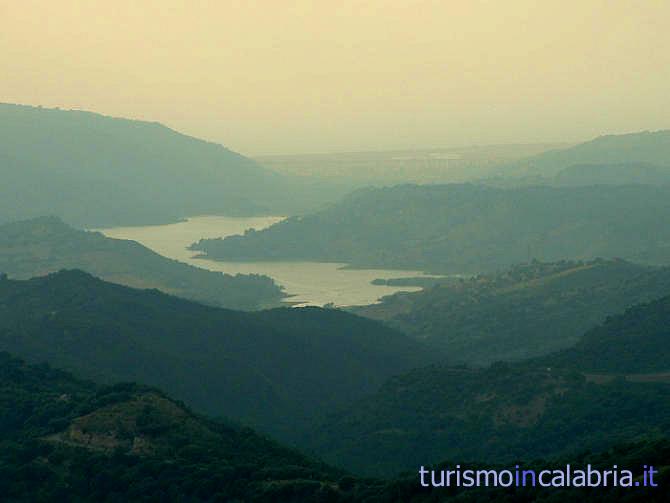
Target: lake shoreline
point(304, 282)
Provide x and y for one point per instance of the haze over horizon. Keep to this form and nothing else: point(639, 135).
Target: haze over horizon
point(264, 78)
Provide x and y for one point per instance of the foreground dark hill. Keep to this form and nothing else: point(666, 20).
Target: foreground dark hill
point(613, 386)
point(275, 370)
point(528, 310)
point(98, 171)
point(63, 439)
point(45, 245)
point(467, 228)
point(647, 149)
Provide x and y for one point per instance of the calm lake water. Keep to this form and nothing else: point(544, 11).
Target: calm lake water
point(308, 283)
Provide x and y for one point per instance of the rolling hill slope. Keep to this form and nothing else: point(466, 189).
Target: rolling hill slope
point(613, 386)
point(634, 342)
point(467, 228)
point(275, 370)
point(44, 245)
point(63, 439)
point(98, 171)
point(528, 310)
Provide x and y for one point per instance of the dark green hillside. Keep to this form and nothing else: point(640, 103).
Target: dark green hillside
point(635, 342)
point(275, 370)
point(63, 439)
point(613, 386)
point(528, 310)
point(500, 414)
point(98, 171)
point(467, 228)
point(44, 245)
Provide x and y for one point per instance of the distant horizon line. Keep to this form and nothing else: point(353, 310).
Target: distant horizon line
point(321, 153)
point(414, 149)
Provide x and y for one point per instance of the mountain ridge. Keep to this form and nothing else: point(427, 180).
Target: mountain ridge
point(272, 369)
point(652, 147)
point(466, 228)
point(613, 386)
point(47, 244)
point(525, 311)
point(97, 171)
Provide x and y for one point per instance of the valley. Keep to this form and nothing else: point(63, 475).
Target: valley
point(392, 251)
point(304, 282)
point(540, 334)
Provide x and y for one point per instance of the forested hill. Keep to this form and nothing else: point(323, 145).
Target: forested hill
point(613, 386)
point(274, 369)
point(44, 245)
point(467, 228)
point(501, 414)
point(63, 439)
point(98, 171)
point(637, 341)
point(528, 310)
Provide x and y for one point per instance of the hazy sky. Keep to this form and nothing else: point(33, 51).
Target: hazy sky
point(279, 76)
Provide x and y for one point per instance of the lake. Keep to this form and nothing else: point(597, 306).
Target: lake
point(308, 283)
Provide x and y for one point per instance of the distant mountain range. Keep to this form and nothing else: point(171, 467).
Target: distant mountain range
point(645, 148)
point(466, 228)
point(602, 198)
point(44, 245)
point(273, 369)
point(98, 171)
